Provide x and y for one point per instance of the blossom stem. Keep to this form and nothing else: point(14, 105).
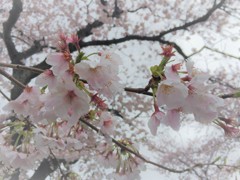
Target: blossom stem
point(92, 54)
point(11, 78)
point(17, 140)
point(18, 66)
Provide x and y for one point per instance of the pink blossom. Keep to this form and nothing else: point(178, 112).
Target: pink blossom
point(18, 159)
point(74, 39)
point(171, 93)
point(100, 78)
point(27, 103)
point(107, 123)
point(171, 72)
point(47, 78)
point(196, 77)
point(42, 141)
point(229, 130)
point(58, 62)
point(110, 59)
point(111, 88)
point(99, 102)
point(66, 79)
point(155, 120)
point(204, 106)
point(69, 103)
point(167, 51)
point(172, 119)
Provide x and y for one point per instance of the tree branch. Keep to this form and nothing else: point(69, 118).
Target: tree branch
point(123, 147)
point(34, 49)
point(132, 37)
point(220, 52)
point(138, 91)
point(7, 28)
point(196, 21)
point(46, 167)
point(87, 31)
point(4, 95)
point(12, 79)
point(18, 66)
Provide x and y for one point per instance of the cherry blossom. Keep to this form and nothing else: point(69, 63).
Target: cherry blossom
point(99, 102)
point(110, 59)
point(172, 119)
point(203, 105)
point(155, 120)
point(28, 102)
point(47, 78)
point(171, 93)
point(68, 102)
point(107, 123)
point(59, 62)
point(103, 79)
point(167, 51)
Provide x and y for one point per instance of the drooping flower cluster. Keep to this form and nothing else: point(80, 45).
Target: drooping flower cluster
point(182, 91)
point(125, 163)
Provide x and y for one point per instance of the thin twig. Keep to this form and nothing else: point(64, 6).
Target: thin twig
point(12, 79)
point(220, 52)
point(225, 96)
point(138, 90)
point(4, 95)
point(59, 167)
point(18, 66)
point(137, 154)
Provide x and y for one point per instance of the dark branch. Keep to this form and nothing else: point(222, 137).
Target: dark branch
point(196, 21)
point(7, 29)
point(87, 31)
point(84, 32)
point(220, 82)
point(138, 91)
point(225, 96)
point(117, 11)
point(132, 37)
point(34, 49)
point(135, 10)
point(46, 167)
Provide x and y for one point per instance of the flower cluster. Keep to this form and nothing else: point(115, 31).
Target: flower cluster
point(51, 112)
point(125, 163)
point(182, 90)
point(51, 117)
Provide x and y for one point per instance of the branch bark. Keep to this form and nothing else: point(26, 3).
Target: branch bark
point(7, 29)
